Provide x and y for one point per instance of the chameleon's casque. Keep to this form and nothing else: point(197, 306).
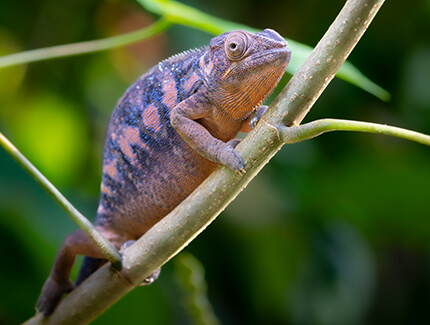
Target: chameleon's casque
point(169, 131)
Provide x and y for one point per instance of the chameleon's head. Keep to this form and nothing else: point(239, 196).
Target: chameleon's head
point(244, 68)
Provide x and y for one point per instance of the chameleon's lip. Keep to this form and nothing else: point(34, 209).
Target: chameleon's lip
point(275, 52)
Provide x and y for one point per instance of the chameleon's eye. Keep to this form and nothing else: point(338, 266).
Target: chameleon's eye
point(236, 46)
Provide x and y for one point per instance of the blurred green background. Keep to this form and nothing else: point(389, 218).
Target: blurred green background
point(335, 230)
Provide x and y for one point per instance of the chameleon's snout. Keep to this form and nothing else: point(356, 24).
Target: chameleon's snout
point(274, 37)
point(274, 44)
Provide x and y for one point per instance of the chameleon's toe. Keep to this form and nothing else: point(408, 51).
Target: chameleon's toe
point(241, 172)
point(229, 157)
point(150, 279)
point(126, 245)
point(256, 116)
point(232, 159)
point(234, 142)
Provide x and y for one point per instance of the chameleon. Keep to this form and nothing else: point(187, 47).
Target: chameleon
point(171, 129)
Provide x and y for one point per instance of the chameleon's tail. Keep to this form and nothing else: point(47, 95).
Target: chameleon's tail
point(89, 266)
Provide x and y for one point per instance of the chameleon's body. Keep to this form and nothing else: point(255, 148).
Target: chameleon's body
point(168, 133)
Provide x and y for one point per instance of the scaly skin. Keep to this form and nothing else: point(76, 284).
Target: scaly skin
point(169, 131)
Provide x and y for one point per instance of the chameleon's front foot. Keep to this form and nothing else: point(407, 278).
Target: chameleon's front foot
point(51, 293)
point(229, 157)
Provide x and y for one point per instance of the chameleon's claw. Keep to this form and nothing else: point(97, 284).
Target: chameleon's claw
point(150, 279)
point(256, 116)
point(234, 142)
point(126, 245)
point(241, 171)
point(229, 157)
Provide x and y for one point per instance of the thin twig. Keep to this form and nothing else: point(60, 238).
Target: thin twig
point(83, 47)
point(105, 246)
point(315, 128)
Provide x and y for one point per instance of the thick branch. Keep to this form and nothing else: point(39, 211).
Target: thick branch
point(194, 214)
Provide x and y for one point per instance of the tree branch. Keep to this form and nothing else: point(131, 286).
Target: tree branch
point(194, 214)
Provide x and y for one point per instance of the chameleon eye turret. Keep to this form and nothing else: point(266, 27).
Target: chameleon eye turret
point(236, 46)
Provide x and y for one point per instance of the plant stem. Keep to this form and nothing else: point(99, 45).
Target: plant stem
point(108, 250)
point(315, 128)
point(83, 47)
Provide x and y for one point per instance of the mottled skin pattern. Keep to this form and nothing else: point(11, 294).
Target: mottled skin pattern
point(169, 131)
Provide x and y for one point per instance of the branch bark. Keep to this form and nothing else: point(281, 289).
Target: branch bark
point(194, 214)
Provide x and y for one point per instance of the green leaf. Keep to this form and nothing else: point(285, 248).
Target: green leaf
point(179, 13)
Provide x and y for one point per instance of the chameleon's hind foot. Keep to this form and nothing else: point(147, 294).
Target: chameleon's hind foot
point(51, 294)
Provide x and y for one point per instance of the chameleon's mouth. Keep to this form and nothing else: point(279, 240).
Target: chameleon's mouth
point(275, 52)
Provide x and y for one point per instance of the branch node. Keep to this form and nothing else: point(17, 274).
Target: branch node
point(270, 125)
